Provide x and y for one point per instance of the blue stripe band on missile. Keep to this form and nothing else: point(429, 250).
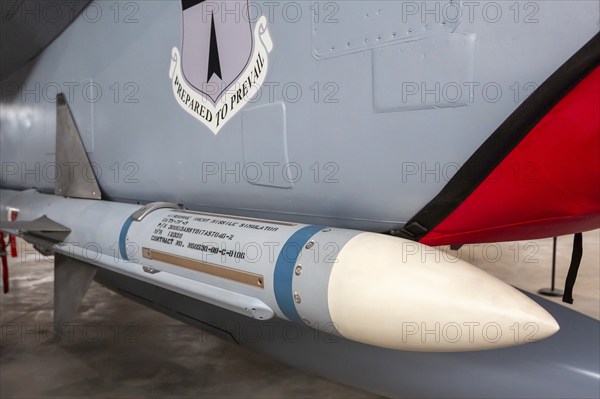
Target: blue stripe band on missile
point(284, 270)
point(123, 238)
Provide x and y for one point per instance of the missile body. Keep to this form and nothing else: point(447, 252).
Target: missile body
point(367, 287)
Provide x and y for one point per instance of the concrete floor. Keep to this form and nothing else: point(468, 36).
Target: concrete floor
point(528, 265)
point(118, 348)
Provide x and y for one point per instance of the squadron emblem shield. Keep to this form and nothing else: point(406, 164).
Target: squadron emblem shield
point(223, 61)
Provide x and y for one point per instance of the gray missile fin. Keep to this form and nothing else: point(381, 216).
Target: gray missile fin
point(76, 177)
point(43, 228)
point(72, 278)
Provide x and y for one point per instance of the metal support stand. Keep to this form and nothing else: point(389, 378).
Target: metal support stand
point(552, 291)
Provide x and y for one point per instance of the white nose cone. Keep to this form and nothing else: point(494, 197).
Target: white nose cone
point(399, 294)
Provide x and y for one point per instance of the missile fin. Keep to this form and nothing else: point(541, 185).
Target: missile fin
point(72, 279)
point(77, 178)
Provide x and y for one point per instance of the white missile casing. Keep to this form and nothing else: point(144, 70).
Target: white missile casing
point(444, 304)
point(368, 287)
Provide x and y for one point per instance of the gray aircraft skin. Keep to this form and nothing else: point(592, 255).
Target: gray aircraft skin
point(355, 115)
point(336, 154)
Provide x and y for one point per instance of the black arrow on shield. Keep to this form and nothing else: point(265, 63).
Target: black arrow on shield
point(214, 64)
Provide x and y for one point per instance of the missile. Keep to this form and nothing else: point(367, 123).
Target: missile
point(371, 288)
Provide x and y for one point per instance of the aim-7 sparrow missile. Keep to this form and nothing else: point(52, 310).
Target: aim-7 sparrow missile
point(371, 288)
